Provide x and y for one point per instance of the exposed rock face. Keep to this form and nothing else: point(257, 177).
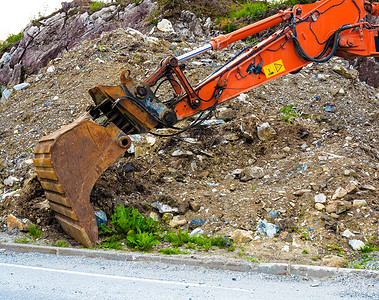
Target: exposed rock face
point(47, 39)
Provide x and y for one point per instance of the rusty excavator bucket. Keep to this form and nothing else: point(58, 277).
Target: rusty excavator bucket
point(69, 161)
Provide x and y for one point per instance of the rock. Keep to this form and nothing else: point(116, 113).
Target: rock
point(320, 198)
point(266, 228)
point(319, 206)
point(301, 192)
point(5, 95)
point(165, 26)
point(153, 215)
point(181, 153)
point(196, 223)
point(101, 218)
point(21, 86)
point(356, 244)
point(348, 234)
point(359, 203)
point(337, 207)
point(286, 236)
point(14, 223)
point(351, 173)
point(28, 162)
point(10, 181)
point(241, 236)
point(273, 214)
point(368, 187)
point(339, 193)
point(50, 69)
point(11, 194)
point(196, 231)
point(266, 132)
point(164, 208)
point(286, 248)
point(194, 205)
point(232, 187)
point(178, 221)
point(351, 187)
point(250, 173)
point(286, 149)
point(349, 74)
point(334, 261)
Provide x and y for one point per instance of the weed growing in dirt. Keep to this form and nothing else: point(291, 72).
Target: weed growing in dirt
point(34, 232)
point(287, 113)
point(21, 241)
point(96, 5)
point(61, 243)
point(368, 248)
point(143, 241)
point(304, 252)
point(10, 40)
point(170, 251)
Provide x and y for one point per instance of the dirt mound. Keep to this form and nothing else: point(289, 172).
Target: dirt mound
point(268, 154)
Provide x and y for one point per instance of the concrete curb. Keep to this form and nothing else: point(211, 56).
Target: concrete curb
point(197, 261)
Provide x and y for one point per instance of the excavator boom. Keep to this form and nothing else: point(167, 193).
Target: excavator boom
point(69, 161)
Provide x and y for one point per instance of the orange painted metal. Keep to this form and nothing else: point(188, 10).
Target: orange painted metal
point(68, 163)
point(323, 19)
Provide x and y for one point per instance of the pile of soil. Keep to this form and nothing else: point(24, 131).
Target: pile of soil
point(324, 129)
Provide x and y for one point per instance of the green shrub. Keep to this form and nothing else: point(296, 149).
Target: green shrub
point(10, 40)
point(96, 5)
point(170, 251)
point(21, 241)
point(34, 232)
point(143, 241)
point(61, 243)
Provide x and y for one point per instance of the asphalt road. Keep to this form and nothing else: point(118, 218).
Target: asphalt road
point(42, 276)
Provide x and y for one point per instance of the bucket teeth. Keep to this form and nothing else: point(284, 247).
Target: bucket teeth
point(68, 163)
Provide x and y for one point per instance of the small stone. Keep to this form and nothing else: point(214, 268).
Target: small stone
point(349, 74)
point(178, 221)
point(319, 206)
point(351, 173)
point(50, 69)
point(241, 236)
point(194, 205)
point(286, 236)
point(334, 261)
point(348, 234)
point(334, 215)
point(165, 26)
point(356, 244)
point(232, 187)
point(301, 192)
point(10, 181)
point(359, 203)
point(286, 149)
point(320, 198)
point(21, 86)
point(153, 215)
point(101, 218)
point(337, 207)
point(14, 223)
point(28, 162)
point(286, 248)
point(164, 208)
point(266, 228)
point(351, 187)
point(196, 223)
point(266, 132)
point(250, 173)
point(273, 214)
point(368, 187)
point(339, 193)
point(181, 153)
point(196, 231)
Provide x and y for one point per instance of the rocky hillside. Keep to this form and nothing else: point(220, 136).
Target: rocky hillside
point(290, 171)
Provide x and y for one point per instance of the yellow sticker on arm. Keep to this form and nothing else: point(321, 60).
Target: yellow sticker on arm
point(274, 68)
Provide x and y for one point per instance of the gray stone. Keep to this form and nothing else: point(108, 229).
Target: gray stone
point(359, 203)
point(351, 187)
point(250, 173)
point(21, 86)
point(320, 198)
point(265, 228)
point(196, 231)
point(301, 192)
point(348, 234)
point(181, 153)
point(164, 208)
point(356, 244)
point(339, 193)
point(349, 74)
point(266, 132)
point(11, 180)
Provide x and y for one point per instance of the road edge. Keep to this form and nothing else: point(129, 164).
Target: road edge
point(283, 269)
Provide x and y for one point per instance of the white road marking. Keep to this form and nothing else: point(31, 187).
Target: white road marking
point(125, 278)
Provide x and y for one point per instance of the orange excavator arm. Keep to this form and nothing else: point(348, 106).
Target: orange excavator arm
point(69, 161)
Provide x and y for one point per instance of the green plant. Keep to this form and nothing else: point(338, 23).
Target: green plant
point(96, 5)
point(10, 40)
point(21, 241)
point(170, 251)
point(143, 241)
point(252, 259)
point(304, 252)
point(287, 113)
point(34, 232)
point(368, 248)
point(177, 239)
point(61, 243)
point(253, 10)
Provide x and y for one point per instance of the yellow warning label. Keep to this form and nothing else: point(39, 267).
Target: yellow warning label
point(274, 68)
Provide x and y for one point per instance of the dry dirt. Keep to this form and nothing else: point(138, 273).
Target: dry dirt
point(330, 141)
